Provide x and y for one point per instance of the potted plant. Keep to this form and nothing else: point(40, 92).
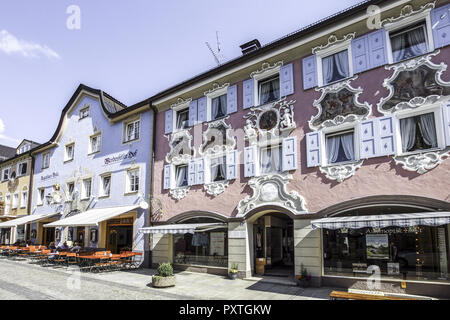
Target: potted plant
point(304, 278)
point(165, 277)
point(233, 271)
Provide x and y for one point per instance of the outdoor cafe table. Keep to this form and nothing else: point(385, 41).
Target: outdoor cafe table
point(88, 261)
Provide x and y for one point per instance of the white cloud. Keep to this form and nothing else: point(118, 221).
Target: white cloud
point(3, 137)
point(9, 44)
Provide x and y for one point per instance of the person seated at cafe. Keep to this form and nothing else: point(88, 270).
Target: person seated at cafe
point(64, 246)
point(52, 249)
point(75, 248)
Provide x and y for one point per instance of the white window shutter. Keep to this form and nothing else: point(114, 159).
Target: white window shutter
point(167, 177)
point(286, 80)
point(249, 93)
point(289, 153)
point(193, 113)
point(232, 99)
point(309, 72)
point(202, 110)
point(368, 139)
point(231, 166)
point(446, 111)
point(387, 128)
point(192, 173)
point(169, 122)
point(249, 161)
point(200, 171)
point(313, 149)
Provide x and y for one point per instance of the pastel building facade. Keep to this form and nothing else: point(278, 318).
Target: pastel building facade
point(91, 180)
point(325, 150)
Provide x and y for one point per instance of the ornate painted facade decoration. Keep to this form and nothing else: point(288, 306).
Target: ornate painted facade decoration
point(342, 171)
point(422, 162)
point(181, 149)
point(272, 190)
point(333, 40)
point(179, 193)
point(217, 138)
point(339, 104)
point(271, 120)
point(266, 67)
point(408, 11)
point(414, 83)
point(216, 87)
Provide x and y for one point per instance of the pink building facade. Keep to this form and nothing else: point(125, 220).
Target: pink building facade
point(325, 150)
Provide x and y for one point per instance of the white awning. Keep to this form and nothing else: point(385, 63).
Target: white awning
point(383, 221)
point(91, 217)
point(26, 219)
point(182, 228)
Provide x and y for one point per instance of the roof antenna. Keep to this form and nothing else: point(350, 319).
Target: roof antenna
point(218, 56)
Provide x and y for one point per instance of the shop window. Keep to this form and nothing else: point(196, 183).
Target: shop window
point(219, 107)
point(182, 119)
point(418, 133)
point(270, 159)
point(269, 90)
point(181, 176)
point(335, 67)
point(409, 42)
point(340, 147)
point(218, 169)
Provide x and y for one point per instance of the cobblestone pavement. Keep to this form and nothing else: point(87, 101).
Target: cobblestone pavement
point(24, 280)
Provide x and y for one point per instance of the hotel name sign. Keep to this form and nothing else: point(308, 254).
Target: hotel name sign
point(124, 157)
point(50, 176)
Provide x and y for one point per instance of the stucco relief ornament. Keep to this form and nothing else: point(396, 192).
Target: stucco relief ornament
point(414, 83)
point(341, 172)
point(333, 40)
point(216, 188)
point(13, 182)
point(338, 104)
point(179, 193)
point(181, 150)
point(272, 190)
point(408, 11)
point(274, 119)
point(422, 162)
point(217, 138)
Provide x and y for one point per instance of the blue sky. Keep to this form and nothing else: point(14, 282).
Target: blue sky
point(130, 49)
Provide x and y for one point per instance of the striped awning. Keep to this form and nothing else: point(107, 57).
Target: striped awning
point(182, 228)
point(26, 219)
point(383, 221)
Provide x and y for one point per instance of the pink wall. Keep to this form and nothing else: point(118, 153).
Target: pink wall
point(378, 176)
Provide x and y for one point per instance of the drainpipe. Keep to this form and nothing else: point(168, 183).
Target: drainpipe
point(152, 166)
point(30, 193)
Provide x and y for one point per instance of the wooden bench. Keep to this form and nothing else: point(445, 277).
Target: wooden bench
point(362, 296)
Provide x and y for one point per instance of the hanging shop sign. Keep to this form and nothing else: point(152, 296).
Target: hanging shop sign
point(124, 157)
point(377, 246)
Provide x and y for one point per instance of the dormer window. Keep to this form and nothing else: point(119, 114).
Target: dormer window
point(269, 90)
point(409, 42)
point(335, 67)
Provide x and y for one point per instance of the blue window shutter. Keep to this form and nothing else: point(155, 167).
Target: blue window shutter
point(249, 161)
point(193, 113)
point(377, 48)
point(313, 149)
point(167, 168)
point(360, 53)
point(232, 99)
point(231, 165)
point(309, 72)
point(202, 113)
point(249, 93)
point(387, 145)
point(290, 153)
point(287, 80)
point(446, 111)
point(169, 122)
point(368, 139)
point(440, 22)
point(200, 171)
point(192, 177)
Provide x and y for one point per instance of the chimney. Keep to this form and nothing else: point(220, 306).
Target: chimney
point(250, 46)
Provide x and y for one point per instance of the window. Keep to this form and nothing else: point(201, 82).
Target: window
point(132, 131)
point(24, 148)
point(41, 194)
point(105, 186)
point(69, 152)
point(70, 189)
point(7, 204)
point(133, 180)
point(181, 176)
point(182, 119)
point(45, 160)
point(95, 143)
point(418, 133)
point(86, 192)
point(270, 159)
point(409, 42)
point(84, 113)
point(24, 198)
point(340, 147)
point(15, 202)
point(218, 169)
point(23, 168)
point(335, 67)
point(269, 90)
point(5, 174)
point(219, 107)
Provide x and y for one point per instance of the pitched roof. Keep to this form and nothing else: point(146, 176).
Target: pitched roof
point(6, 152)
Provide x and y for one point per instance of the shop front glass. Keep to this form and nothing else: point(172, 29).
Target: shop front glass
point(207, 247)
point(414, 253)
